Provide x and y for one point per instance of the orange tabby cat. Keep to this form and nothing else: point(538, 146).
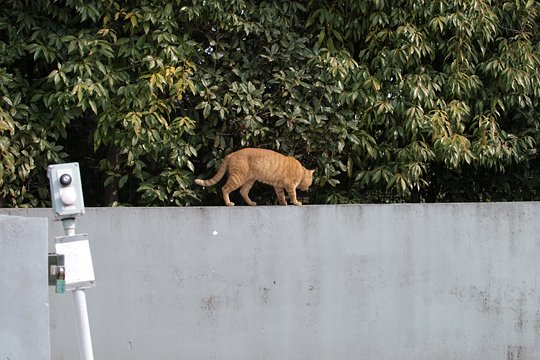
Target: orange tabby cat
point(249, 165)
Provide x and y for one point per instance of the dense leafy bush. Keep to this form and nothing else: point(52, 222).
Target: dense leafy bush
point(390, 101)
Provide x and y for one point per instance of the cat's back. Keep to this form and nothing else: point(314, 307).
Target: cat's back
point(266, 165)
point(255, 154)
point(260, 158)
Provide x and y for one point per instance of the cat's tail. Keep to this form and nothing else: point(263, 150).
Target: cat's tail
point(221, 171)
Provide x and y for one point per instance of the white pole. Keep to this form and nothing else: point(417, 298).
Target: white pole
point(69, 226)
point(81, 310)
point(83, 325)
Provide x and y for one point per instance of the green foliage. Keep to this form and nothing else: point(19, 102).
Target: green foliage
point(447, 86)
point(123, 69)
point(389, 101)
point(27, 135)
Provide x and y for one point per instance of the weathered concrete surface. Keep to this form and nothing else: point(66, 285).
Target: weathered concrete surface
point(24, 301)
point(441, 281)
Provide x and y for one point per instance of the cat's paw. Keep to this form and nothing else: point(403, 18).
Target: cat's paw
point(298, 203)
point(230, 203)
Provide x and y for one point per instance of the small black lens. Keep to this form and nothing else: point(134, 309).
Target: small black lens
point(65, 179)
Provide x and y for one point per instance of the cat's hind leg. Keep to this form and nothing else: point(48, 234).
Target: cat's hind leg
point(244, 191)
point(231, 185)
point(228, 201)
point(280, 195)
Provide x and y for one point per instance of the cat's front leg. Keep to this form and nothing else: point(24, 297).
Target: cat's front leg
point(292, 195)
point(280, 195)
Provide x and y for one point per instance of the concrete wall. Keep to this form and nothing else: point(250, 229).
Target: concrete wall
point(24, 302)
point(442, 281)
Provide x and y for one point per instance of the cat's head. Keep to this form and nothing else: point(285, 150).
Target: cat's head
point(307, 180)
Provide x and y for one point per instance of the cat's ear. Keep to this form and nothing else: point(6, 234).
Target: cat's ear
point(311, 171)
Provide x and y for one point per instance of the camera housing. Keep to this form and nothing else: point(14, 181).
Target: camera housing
point(66, 190)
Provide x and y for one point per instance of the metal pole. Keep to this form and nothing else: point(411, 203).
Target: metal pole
point(81, 310)
point(83, 325)
point(69, 226)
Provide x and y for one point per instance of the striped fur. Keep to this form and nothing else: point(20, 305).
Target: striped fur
point(249, 165)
